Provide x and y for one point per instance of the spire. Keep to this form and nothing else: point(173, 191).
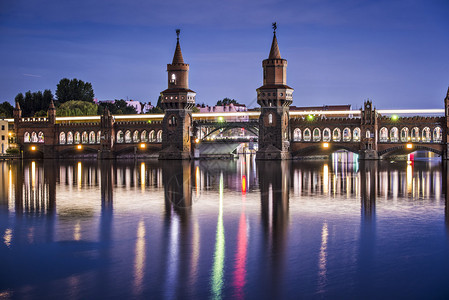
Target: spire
point(274, 52)
point(52, 105)
point(177, 58)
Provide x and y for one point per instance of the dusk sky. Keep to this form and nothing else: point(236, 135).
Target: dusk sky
point(339, 52)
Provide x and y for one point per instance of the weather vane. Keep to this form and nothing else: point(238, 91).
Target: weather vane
point(274, 27)
point(178, 31)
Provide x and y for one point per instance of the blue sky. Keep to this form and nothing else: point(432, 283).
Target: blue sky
point(339, 52)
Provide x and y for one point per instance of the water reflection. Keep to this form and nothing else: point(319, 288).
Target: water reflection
point(216, 228)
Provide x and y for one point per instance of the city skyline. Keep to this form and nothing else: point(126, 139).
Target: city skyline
point(391, 52)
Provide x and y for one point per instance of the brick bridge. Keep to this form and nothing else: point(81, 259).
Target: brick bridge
point(280, 133)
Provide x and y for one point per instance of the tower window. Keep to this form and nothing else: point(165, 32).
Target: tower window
point(270, 119)
point(173, 78)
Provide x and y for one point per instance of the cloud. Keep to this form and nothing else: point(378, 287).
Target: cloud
point(32, 75)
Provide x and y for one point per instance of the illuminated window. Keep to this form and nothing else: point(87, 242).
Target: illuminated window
point(92, 137)
point(98, 136)
point(356, 134)
point(297, 135)
point(415, 134)
point(270, 119)
point(426, 135)
point(383, 134)
point(437, 134)
point(151, 136)
point(346, 135)
point(69, 137)
point(307, 135)
point(128, 136)
point(120, 137)
point(40, 137)
point(404, 134)
point(77, 137)
point(62, 138)
point(84, 138)
point(316, 135)
point(336, 135)
point(33, 137)
point(26, 137)
point(368, 134)
point(144, 136)
point(159, 136)
point(326, 135)
point(135, 136)
point(394, 135)
point(173, 78)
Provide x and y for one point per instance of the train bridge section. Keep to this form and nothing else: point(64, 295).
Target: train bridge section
point(371, 133)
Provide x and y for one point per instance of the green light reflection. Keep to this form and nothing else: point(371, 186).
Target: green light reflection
point(219, 254)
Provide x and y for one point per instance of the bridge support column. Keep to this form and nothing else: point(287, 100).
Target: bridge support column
point(368, 155)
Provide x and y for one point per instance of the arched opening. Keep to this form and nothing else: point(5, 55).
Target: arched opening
point(62, 140)
point(415, 134)
point(151, 136)
point(346, 135)
point(69, 138)
point(383, 134)
point(297, 135)
point(135, 136)
point(26, 137)
point(356, 135)
point(316, 135)
point(92, 137)
point(84, 138)
point(404, 135)
point(143, 136)
point(40, 137)
point(336, 135)
point(77, 137)
point(120, 137)
point(33, 137)
point(326, 135)
point(368, 134)
point(307, 135)
point(128, 138)
point(98, 136)
point(426, 136)
point(159, 136)
point(270, 119)
point(394, 136)
point(437, 135)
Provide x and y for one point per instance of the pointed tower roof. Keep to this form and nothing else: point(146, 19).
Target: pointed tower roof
point(52, 105)
point(274, 52)
point(177, 58)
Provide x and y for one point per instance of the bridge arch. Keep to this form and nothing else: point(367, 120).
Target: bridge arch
point(317, 149)
point(229, 126)
point(402, 149)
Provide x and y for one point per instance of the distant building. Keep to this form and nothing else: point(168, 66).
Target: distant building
point(343, 107)
point(3, 136)
point(226, 109)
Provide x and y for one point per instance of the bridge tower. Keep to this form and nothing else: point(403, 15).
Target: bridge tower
point(369, 132)
point(107, 135)
point(274, 97)
point(177, 101)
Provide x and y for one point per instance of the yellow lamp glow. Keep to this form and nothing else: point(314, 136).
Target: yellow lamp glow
point(197, 141)
point(79, 147)
point(325, 145)
point(143, 146)
point(409, 146)
point(33, 148)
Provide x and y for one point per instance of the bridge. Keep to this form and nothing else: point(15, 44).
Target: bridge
point(273, 131)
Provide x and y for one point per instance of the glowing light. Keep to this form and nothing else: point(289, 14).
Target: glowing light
point(33, 148)
point(79, 147)
point(77, 232)
point(310, 117)
point(325, 179)
point(197, 140)
point(143, 146)
point(142, 175)
point(394, 117)
point(409, 146)
point(219, 254)
point(10, 133)
point(7, 237)
point(33, 173)
point(220, 119)
point(243, 184)
point(139, 261)
point(325, 145)
point(79, 174)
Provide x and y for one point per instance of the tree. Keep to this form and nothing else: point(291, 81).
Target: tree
point(226, 101)
point(6, 110)
point(74, 89)
point(77, 108)
point(34, 104)
point(118, 107)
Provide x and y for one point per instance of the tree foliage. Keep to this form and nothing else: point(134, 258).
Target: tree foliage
point(158, 108)
point(74, 89)
point(226, 101)
point(35, 102)
point(76, 108)
point(119, 107)
point(6, 110)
